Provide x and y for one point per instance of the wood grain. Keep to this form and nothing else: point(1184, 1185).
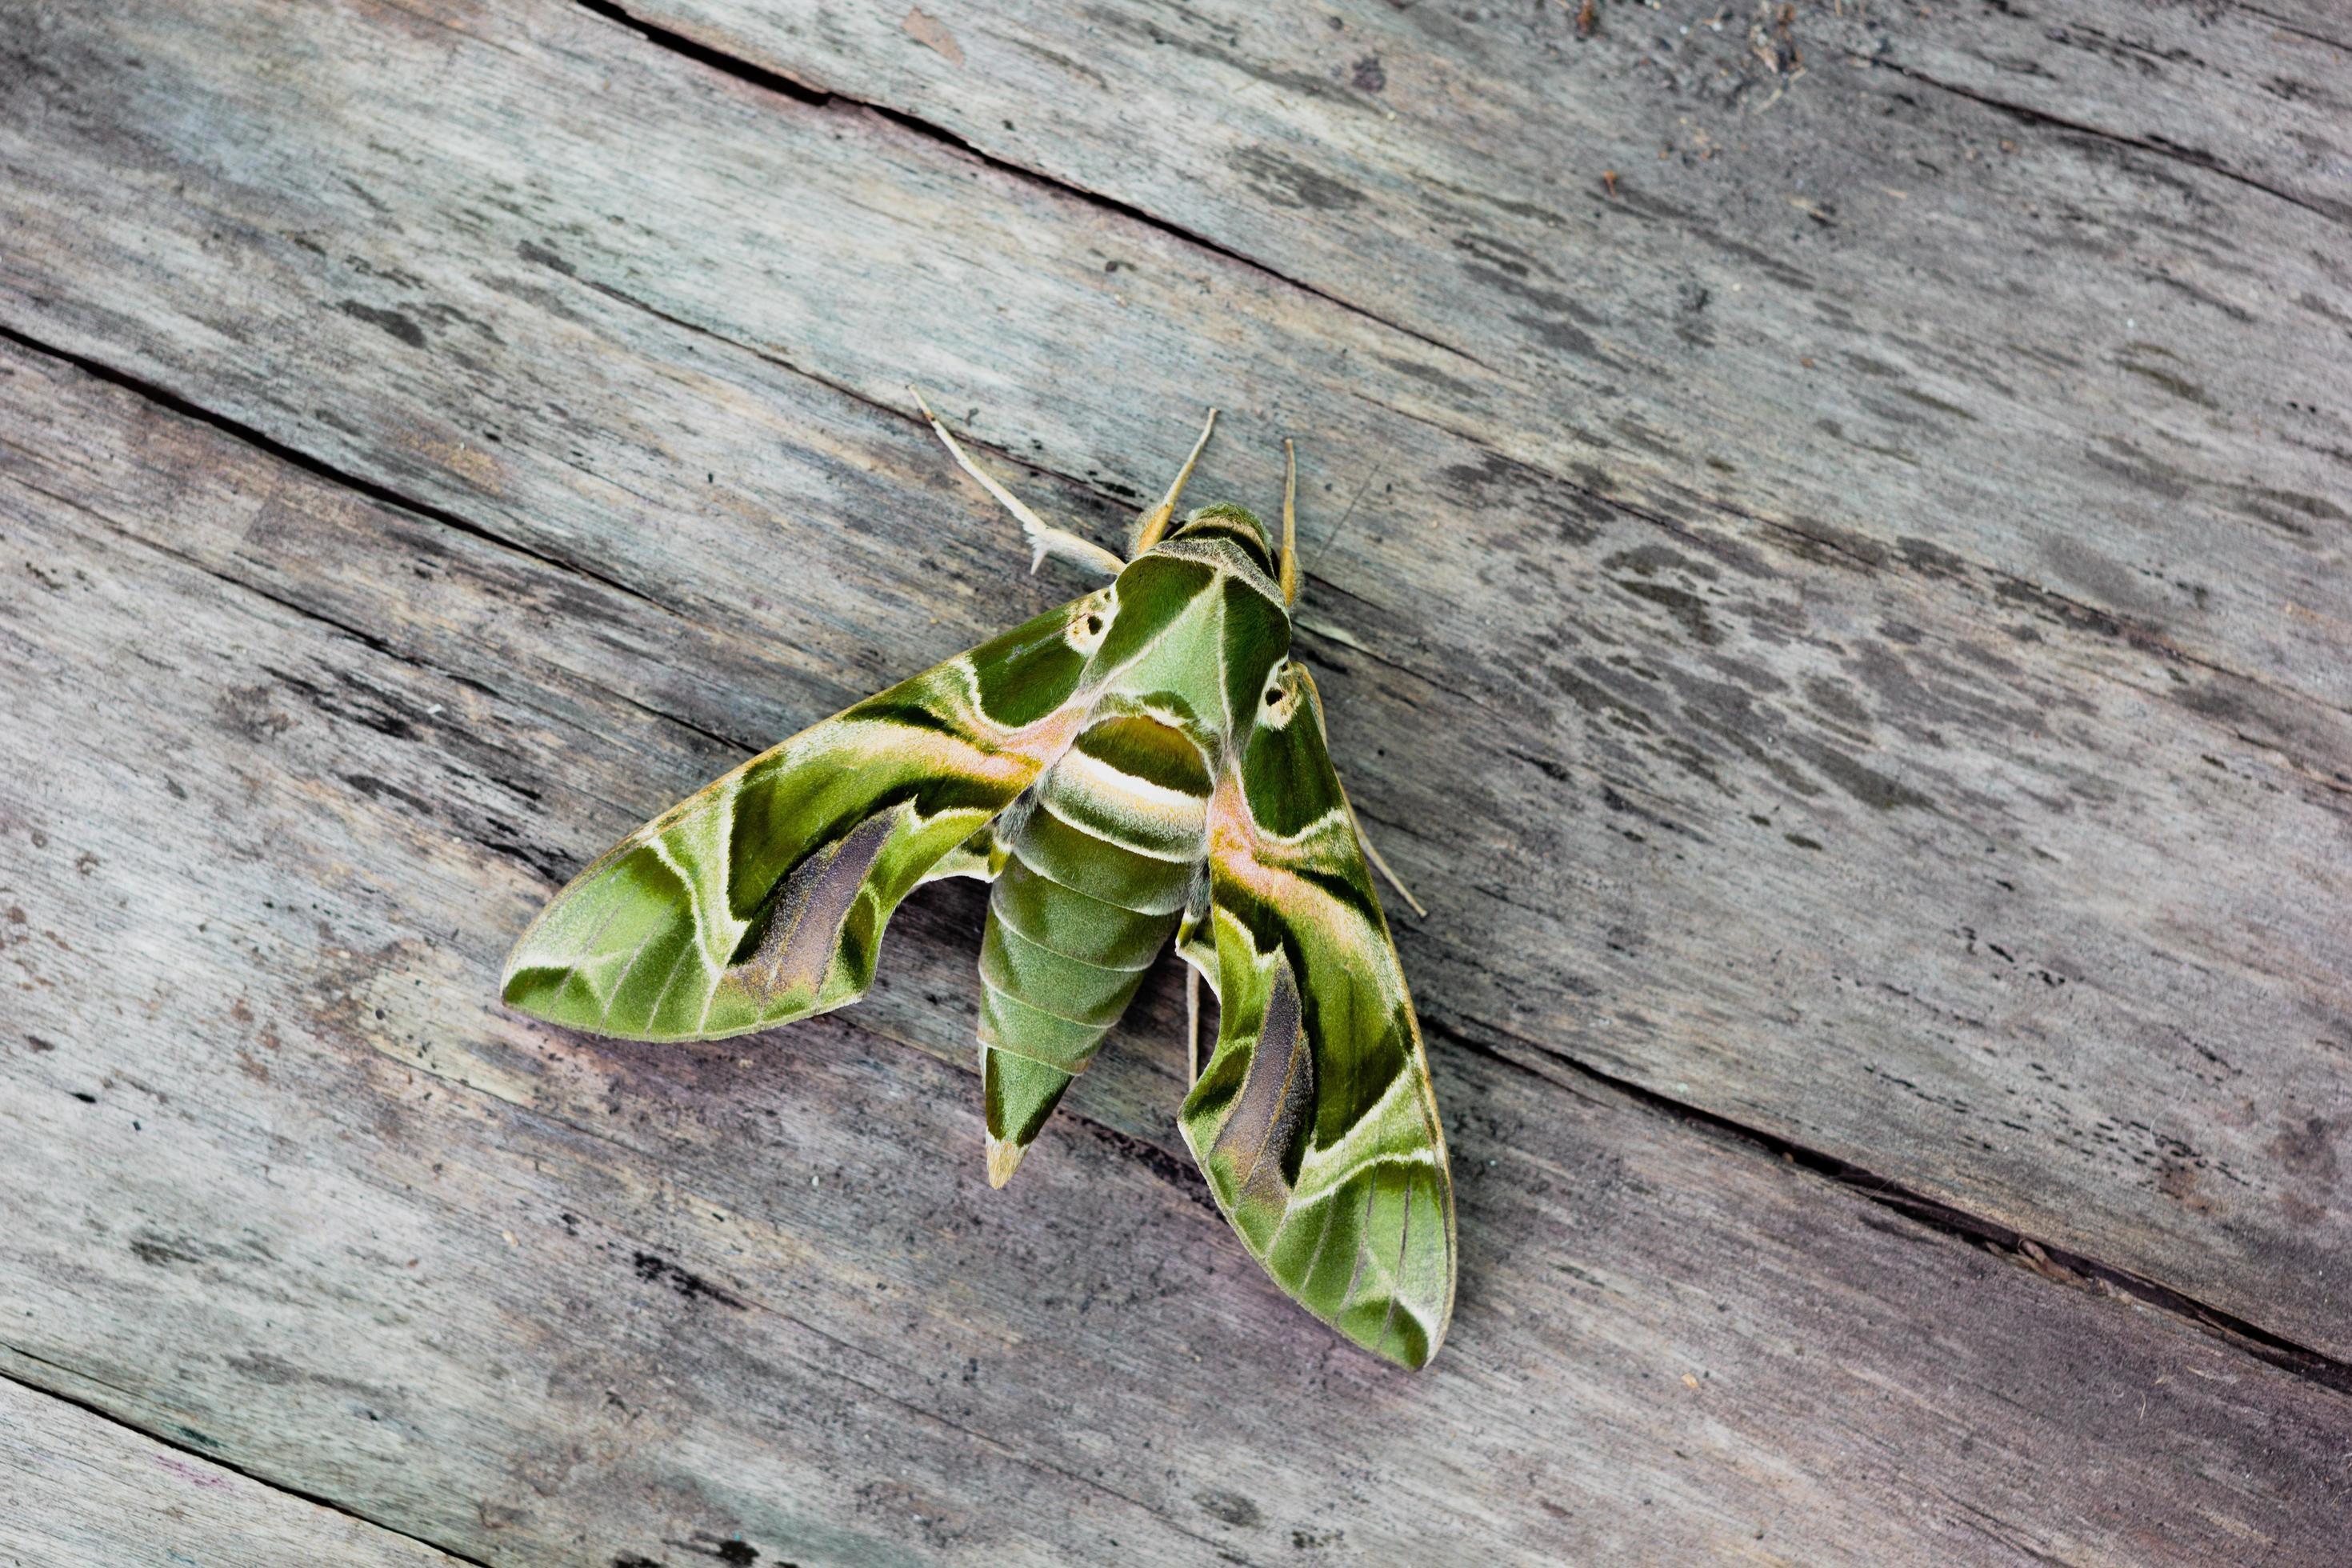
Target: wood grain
point(76, 1488)
point(288, 1186)
point(1647, 755)
point(2057, 294)
point(1846, 629)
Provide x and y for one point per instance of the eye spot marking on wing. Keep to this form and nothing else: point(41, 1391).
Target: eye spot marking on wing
point(1280, 699)
point(1090, 619)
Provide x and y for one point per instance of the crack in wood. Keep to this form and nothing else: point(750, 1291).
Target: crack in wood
point(2284, 25)
point(776, 82)
point(2191, 156)
point(164, 1438)
point(374, 490)
point(2049, 1260)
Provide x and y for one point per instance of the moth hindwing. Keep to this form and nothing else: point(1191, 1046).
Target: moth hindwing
point(1144, 763)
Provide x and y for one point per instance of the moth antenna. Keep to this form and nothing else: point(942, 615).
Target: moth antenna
point(1290, 535)
point(1043, 538)
point(1150, 525)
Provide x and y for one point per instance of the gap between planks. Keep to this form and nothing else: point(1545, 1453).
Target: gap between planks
point(219, 1461)
point(770, 80)
point(2051, 1262)
point(775, 81)
point(2188, 155)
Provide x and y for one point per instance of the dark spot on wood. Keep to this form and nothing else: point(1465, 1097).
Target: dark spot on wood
point(1231, 1507)
point(391, 322)
point(2259, 501)
point(1597, 700)
point(249, 713)
point(2186, 390)
point(1496, 482)
point(1368, 76)
point(1646, 560)
point(1930, 558)
point(1874, 789)
point(158, 1252)
point(2308, 1148)
point(1832, 698)
point(1692, 326)
point(1802, 842)
point(1683, 605)
point(541, 255)
point(1291, 184)
point(1826, 545)
point(654, 1269)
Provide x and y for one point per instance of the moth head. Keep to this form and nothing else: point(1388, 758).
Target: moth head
point(1236, 525)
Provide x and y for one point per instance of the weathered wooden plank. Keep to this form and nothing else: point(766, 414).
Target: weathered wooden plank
point(557, 281)
point(285, 1182)
point(2257, 97)
point(77, 1489)
point(2099, 353)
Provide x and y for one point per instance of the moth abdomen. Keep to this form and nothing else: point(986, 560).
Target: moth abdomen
point(1104, 855)
point(1058, 969)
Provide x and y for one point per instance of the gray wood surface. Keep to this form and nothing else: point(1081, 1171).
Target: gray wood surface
point(1842, 622)
point(75, 1487)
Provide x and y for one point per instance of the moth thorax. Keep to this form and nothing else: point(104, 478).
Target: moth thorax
point(1135, 784)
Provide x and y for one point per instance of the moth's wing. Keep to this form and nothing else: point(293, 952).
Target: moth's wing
point(1313, 1119)
point(762, 898)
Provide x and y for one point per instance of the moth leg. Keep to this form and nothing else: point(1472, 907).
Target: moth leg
point(1192, 1027)
point(1043, 538)
point(1380, 865)
point(1290, 535)
point(1150, 525)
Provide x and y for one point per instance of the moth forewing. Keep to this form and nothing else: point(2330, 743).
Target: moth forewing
point(762, 898)
point(1313, 1119)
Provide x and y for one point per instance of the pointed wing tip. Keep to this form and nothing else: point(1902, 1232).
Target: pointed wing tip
point(1003, 1159)
point(1412, 1352)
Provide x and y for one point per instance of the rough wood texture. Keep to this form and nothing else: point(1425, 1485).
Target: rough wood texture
point(76, 1488)
point(1845, 624)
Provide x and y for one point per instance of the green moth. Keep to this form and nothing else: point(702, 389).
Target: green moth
point(1146, 762)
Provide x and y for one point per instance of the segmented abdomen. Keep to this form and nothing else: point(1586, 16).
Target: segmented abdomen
point(1104, 854)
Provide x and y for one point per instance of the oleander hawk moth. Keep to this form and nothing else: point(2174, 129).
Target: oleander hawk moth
point(1145, 762)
